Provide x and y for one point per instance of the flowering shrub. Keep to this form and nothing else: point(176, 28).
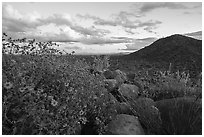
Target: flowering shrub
point(27, 46)
point(166, 84)
point(101, 63)
point(51, 93)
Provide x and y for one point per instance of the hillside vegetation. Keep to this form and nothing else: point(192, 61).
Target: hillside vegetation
point(184, 53)
point(47, 92)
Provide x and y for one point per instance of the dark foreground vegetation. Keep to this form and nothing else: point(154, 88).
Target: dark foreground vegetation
point(47, 92)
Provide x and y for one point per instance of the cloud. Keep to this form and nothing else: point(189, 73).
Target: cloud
point(128, 14)
point(123, 38)
point(29, 25)
point(9, 25)
point(129, 31)
point(9, 12)
point(140, 43)
point(73, 47)
point(91, 31)
point(149, 39)
point(87, 16)
point(196, 35)
point(65, 19)
point(149, 23)
point(123, 19)
point(101, 41)
point(58, 19)
point(62, 37)
point(187, 12)
point(106, 22)
point(14, 21)
point(149, 6)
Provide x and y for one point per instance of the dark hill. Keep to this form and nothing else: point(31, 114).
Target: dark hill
point(182, 51)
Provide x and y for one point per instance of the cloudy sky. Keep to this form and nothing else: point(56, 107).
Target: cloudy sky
point(93, 28)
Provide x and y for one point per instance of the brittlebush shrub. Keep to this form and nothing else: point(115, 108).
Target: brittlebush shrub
point(52, 94)
point(166, 84)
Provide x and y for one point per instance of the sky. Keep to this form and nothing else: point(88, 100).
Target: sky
point(102, 27)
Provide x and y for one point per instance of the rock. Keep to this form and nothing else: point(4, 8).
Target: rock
point(148, 114)
point(111, 84)
point(118, 96)
point(120, 76)
point(94, 72)
point(124, 108)
point(181, 115)
point(131, 77)
point(145, 101)
point(125, 125)
point(114, 100)
point(108, 74)
point(89, 129)
point(129, 91)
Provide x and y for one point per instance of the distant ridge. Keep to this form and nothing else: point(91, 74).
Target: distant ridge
point(178, 49)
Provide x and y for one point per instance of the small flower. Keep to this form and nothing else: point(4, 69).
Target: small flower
point(20, 74)
point(30, 88)
point(71, 89)
point(26, 88)
point(50, 97)
point(40, 90)
point(54, 103)
point(102, 94)
point(81, 112)
point(13, 61)
point(23, 64)
point(66, 84)
point(45, 95)
point(22, 89)
point(95, 97)
point(83, 120)
point(65, 125)
point(98, 121)
point(8, 85)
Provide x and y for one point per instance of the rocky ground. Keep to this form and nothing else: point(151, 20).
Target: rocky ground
point(139, 115)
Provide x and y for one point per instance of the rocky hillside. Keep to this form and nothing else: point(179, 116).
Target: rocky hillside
point(182, 51)
point(139, 115)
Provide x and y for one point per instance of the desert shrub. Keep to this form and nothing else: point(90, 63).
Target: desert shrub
point(173, 85)
point(101, 63)
point(181, 116)
point(51, 94)
point(166, 84)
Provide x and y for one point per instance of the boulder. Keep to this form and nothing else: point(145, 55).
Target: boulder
point(144, 101)
point(129, 91)
point(148, 114)
point(108, 74)
point(181, 115)
point(131, 77)
point(125, 125)
point(114, 100)
point(111, 84)
point(124, 108)
point(121, 77)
